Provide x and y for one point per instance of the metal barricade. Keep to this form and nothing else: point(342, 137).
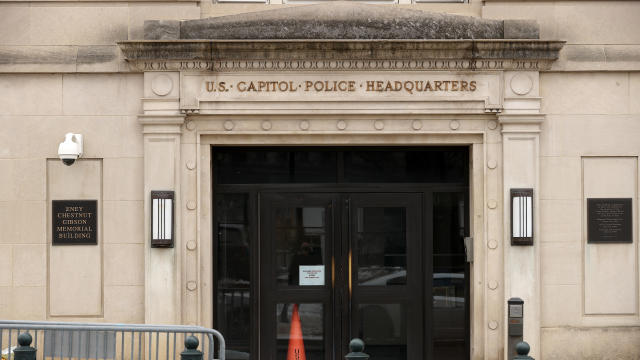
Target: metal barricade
point(84, 341)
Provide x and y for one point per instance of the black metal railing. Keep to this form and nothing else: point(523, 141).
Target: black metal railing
point(98, 341)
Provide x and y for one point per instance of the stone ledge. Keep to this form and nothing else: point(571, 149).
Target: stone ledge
point(161, 29)
point(341, 20)
point(64, 59)
point(598, 58)
point(102, 58)
point(221, 55)
point(339, 49)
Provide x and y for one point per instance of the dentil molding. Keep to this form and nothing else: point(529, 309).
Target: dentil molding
point(340, 55)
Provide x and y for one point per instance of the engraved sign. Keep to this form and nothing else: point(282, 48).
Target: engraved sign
point(199, 89)
point(224, 87)
point(408, 86)
point(609, 220)
point(311, 275)
point(74, 222)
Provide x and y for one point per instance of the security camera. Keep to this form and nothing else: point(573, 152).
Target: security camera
point(70, 149)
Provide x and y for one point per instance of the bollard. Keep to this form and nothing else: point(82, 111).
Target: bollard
point(191, 352)
point(522, 348)
point(356, 346)
point(24, 351)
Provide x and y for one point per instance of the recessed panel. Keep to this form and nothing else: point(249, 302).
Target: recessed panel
point(610, 286)
point(75, 272)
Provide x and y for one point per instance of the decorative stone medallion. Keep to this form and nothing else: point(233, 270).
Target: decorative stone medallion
point(521, 83)
point(161, 85)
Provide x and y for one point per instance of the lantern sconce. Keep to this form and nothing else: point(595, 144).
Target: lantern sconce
point(521, 216)
point(162, 215)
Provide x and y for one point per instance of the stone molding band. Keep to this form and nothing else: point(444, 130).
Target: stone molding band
point(340, 55)
point(341, 65)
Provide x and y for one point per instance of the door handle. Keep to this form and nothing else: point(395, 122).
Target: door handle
point(468, 249)
point(347, 207)
point(333, 272)
point(350, 275)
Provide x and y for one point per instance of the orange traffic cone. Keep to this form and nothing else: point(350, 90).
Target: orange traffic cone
point(296, 343)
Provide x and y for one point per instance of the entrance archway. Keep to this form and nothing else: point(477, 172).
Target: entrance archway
point(499, 120)
point(365, 242)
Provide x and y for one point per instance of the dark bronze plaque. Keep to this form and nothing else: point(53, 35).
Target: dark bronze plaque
point(609, 220)
point(74, 222)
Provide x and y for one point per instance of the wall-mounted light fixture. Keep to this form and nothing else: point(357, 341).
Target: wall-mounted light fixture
point(521, 216)
point(162, 215)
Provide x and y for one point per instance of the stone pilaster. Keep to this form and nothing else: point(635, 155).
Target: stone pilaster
point(521, 120)
point(162, 129)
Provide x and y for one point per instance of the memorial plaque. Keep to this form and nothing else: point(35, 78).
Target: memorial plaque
point(74, 222)
point(609, 220)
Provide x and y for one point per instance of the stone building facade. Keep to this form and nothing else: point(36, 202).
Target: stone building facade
point(175, 95)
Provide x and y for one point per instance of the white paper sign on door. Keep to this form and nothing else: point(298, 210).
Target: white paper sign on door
point(311, 275)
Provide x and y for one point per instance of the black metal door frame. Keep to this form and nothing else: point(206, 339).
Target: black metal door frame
point(270, 293)
point(337, 190)
point(404, 295)
point(342, 326)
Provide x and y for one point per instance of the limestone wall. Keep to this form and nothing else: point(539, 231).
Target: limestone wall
point(588, 149)
point(64, 37)
point(599, 35)
point(58, 36)
point(37, 281)
point(61, 71)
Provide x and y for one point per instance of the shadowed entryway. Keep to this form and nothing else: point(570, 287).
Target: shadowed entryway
point(344, 243)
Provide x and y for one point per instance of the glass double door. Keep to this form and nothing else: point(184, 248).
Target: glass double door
point(334, 266)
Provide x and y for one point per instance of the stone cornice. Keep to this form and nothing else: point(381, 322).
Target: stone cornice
point(340, 55)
